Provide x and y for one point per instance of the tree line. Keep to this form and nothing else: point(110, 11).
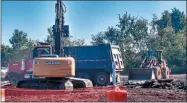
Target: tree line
point(134, 35)
point(21, 44)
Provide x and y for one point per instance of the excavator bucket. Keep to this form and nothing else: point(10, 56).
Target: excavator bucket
point(141, 74)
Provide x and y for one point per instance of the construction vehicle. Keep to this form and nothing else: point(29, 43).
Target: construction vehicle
point(52, 69)
point(92, 62)
point(153, 67)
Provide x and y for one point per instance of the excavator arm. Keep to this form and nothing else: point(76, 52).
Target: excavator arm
point(59, 29)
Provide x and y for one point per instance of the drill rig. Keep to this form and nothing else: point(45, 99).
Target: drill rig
point(51, 69)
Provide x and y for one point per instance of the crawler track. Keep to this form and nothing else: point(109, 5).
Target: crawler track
point(55, 83)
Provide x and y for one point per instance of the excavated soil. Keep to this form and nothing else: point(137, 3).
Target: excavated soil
point(96, 94)
point(176, 82)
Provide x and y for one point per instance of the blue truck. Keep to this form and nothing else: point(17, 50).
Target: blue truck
point(94, 62)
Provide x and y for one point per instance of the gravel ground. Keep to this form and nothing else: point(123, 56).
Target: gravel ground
point(92, 95)
point(96, 94)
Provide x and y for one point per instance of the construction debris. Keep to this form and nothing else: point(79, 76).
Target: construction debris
point(162, 84)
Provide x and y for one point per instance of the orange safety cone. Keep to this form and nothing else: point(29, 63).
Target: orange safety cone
point(117, 95)
point(2, 95)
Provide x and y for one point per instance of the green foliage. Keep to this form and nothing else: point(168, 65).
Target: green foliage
point(98, 38)
point(70, 41)
point(132, 35)
point(20, 45)
point(18, 39)
point(178, 20)
point(5, 54)
point(49, 37)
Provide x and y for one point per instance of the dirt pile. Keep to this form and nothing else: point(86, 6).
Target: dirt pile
point(156, 84)
point(175, 82)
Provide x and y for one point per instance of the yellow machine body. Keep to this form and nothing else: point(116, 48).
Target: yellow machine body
point(54, 67)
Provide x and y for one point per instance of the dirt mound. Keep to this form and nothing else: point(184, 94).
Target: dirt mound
point(175, 82)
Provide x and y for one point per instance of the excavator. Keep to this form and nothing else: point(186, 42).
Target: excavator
point(153, 67)
point(50, 67)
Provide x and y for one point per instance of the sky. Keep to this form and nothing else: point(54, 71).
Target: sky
point(83, 17)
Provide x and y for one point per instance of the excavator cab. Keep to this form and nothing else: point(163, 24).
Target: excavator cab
point(41, 49)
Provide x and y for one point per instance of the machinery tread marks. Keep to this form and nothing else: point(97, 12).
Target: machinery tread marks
point(80, 83)
point(46, 84)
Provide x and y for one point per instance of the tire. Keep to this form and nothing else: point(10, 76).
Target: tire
point(14, 79)
point(102, 79)
point(157, 72)
point(83, 75)
point(165, 73)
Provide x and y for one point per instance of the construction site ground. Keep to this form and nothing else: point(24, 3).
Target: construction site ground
point(176, 92)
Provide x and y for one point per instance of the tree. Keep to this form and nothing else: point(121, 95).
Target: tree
point(130, 34)
point(49, 36)
point(178, 20)
point(167, 34)
point(170, 38)
point(18, 39)
point(98, 38)
point(5, 54)
point(69, 41)
point(112, 35)
point(31, 43)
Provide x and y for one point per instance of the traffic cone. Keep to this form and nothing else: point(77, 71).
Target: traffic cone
point(117, 95)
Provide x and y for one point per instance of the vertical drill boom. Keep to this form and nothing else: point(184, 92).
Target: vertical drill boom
point(58, 29)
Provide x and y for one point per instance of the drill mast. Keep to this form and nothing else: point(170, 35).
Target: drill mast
point(58, 29)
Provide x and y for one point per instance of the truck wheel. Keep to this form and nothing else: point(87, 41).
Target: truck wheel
point(14, 79)
point(157, 72)
point(102, 79)
point(83, 75)
point(165, 73)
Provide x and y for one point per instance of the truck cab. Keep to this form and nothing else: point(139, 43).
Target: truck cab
point(17, 69)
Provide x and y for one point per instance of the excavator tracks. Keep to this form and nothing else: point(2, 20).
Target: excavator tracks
point(55, 83)
point(81, 83)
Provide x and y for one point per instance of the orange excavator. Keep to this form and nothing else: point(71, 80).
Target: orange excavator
point(51, 69)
